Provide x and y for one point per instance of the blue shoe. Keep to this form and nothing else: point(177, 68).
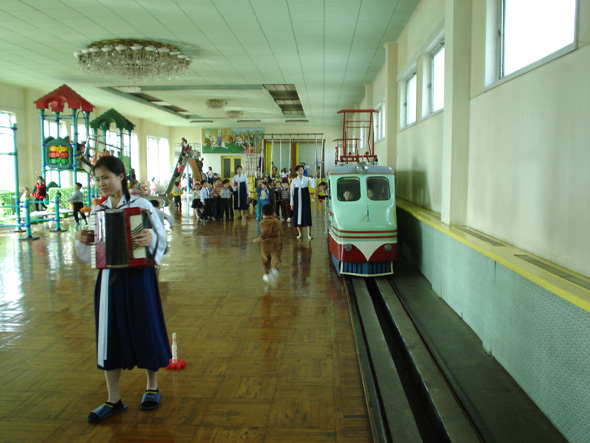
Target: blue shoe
point(151, 400)
point(105, 411)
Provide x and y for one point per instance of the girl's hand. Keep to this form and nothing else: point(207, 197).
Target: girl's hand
point(256, 240)
point(85, 236)
point(292, 208)
point(144, 238)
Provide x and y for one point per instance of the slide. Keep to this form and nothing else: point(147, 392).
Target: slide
point(84, 164)
point(195, 167)
point(177, 173)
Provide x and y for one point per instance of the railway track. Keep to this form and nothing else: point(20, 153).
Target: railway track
point(408, 396)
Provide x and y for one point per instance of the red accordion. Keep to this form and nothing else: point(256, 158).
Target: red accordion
point(114, 230)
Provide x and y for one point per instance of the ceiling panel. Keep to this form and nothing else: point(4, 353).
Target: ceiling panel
point(328, 48)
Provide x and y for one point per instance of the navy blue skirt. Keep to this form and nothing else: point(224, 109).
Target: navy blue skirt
point(241, 196)
point(136, 332)
point(301, 208)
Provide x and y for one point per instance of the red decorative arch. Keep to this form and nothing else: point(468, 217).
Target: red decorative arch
point(56, 100)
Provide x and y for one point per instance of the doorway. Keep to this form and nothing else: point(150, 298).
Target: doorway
point(229, 165)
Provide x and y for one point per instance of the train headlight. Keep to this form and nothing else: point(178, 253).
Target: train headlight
point(388, 247)
point(348, 247)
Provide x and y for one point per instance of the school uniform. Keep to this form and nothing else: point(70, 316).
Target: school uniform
point(301, 201)
point(130, 327)
point(240, 185)
point(207, 203)
point(225, 204)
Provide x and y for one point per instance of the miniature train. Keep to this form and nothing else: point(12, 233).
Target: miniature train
point(362, 219)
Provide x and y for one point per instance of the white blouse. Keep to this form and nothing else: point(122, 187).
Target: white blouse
point(303, 182)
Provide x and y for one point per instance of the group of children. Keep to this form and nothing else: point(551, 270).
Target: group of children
point(213, 201)
point(277, 193)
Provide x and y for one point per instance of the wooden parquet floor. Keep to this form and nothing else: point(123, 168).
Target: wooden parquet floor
point(263, 364)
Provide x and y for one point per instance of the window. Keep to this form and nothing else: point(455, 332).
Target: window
point(411, 99)
point(379, 122)
point(437, 84)
point(531, 31)
point(113, 143)
point(158, 159)
point(348, 189)
point(7, 161)
point(378, 188)
point(135, 153)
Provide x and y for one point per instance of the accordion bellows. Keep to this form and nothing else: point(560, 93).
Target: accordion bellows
point(114, 230)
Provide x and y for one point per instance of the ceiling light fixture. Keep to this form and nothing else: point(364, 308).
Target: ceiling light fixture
point(133, 60)
point(233, 114)
point(215, 103)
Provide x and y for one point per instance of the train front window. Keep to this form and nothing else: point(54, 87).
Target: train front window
point(378, 188)
point(348, 189)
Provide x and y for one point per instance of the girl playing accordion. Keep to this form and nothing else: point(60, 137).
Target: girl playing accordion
point(130, 327)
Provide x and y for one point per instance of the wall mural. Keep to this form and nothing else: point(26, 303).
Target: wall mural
point(232, 140)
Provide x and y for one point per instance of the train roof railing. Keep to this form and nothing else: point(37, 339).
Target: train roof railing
point(357, 122)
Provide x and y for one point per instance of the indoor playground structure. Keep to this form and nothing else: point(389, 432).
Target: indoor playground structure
point(70, 143)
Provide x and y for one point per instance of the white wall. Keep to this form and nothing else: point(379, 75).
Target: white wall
point(528, 165)
point(419, 160)
point(528, 143)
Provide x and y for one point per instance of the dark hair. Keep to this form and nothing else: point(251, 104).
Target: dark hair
point(184, 139)
point(155, 203)
point(225, 181)
point(298, 167)
point(116, 166)
point(203, 182)
point(267, 209)
point(176, 183)
point(78, 184)
point(323, 184)
point(40, 177)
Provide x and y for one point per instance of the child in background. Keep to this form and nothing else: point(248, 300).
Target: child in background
point(206, 201)
point(215, 195)
point(77, 201)
point(177, 192)
point(263, 197)
point(40, 194)
point(225, 201)
point(286, 201)
point(196, 203)
point(278, 202)
point(25, 198)
point(322, 191)
point(270, 249)
point(163, 216)
point(256, 202)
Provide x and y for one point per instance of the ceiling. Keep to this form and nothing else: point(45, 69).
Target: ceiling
point(327, 50)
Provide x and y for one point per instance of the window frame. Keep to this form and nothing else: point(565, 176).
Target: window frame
point(340, 195)
point(439, 48)
point(406, 110)
point(379, 122)
point(494, 46)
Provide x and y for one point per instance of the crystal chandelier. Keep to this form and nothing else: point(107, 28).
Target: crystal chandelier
point(215, 103)
point(133, 60)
